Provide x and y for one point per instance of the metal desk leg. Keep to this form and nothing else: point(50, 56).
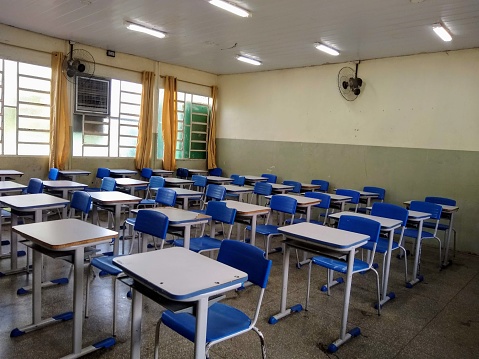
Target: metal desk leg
point(201, 325)
point(416, 277)
point(446, 261)
point(283, 312)
point(386, 297)
point(343, 335)
point(253, 230)
point(136, 312)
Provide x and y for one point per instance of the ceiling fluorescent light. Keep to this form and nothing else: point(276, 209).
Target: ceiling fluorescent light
point(230, 7)
point(326, 49)
point(145, 30)
point(248, 60)
point(441, 31)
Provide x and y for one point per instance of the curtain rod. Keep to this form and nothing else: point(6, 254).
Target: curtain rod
point(187, 82)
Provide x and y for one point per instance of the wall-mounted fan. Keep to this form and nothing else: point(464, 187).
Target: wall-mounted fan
point(78, 62)
point(349, 83)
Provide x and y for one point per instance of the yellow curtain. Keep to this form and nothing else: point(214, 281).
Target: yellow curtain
point(169, 121)
point(211, 150)
point(59, 116)
point(145, 126)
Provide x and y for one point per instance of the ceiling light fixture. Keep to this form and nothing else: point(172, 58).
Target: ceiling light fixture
point(145, 30)
point(441, 31)
point(326, 49)
point(230, 7)
point(248, 60)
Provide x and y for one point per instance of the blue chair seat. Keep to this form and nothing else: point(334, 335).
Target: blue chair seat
point(223, 321)
point(265, 229)
point(382, 246)
point(413, 233)
point(339, 265)
point(200, 244)
point(440, 227)
point(106, 265)
point(147, 202)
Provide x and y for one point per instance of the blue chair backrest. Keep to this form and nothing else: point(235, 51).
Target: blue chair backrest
point(324, 184)
point(247, 258)
point(323, 197)
point(156, 182)
point(151, 222)
point(238, 180)
point(360, 225)
point(81, 201)
point(53, 174)
point(102, 172)
point(388, 210)
point(215, 192)
point(380, 191)
point(166, 197)
point(199, 181)
point(219, 212)
point(283, 204)
point(296, 185)
point(146, 173)
point(350, 193)
point(441, 200)
point(428, 207)
point(182, 172)
point(263, 188)
point(271, 177)
point(108, 184)
point(215, 172)
point(35, 185)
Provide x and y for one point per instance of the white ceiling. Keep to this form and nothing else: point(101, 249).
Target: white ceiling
point(280, 33)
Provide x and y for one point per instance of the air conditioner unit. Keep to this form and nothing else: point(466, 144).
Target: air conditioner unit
point(92, 95)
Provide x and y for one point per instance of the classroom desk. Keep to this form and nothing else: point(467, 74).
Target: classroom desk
point(179, 218)
point(219, 180)
point(419, 218)
point(64, 187)
point(239, 190)
point(62, 238)
point(305, 187)
point(8, 187)
point(130, 183)
point(177, 182)
point(122, 173)
point(251, 180)
point(193, 171)
point(4, 174)
point(163, 272)
point(162, 173)
point(279, 188)
point(23, 204)
point(72, 174)
point(116, 200)
point(313, 238)
point(449, 210)
point(339, 199)
point(388, 225)
point(249, 211)
point(187, 195)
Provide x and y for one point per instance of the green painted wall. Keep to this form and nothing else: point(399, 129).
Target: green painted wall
point(405, 173)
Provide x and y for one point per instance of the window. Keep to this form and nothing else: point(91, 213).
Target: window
point(193, 119)
point(114, 135)
point(24, 108)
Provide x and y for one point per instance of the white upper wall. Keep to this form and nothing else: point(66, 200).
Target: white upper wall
point(421, 101)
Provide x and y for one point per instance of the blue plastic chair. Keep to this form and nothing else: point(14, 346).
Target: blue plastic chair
point(224, 321)
point(182, 172)
point(155, 183)
point(261, 189)
point(381, 195)
point(355, 195)
point(352, 224)
point(146, 173)
point(81, 201)
point(53, 174)
point(219, 213)
point(323, 206)
point(237, 181)
point(435, 211)
point(296, 186)
point(215, 172)
point(148, 222)
point(213, 192)
point(199, 182)
point(279, 204)
point(442, 226)
point(324, 185)
point(101, 173)
point(35, 185)
point(392, 211)
point(271, 177)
